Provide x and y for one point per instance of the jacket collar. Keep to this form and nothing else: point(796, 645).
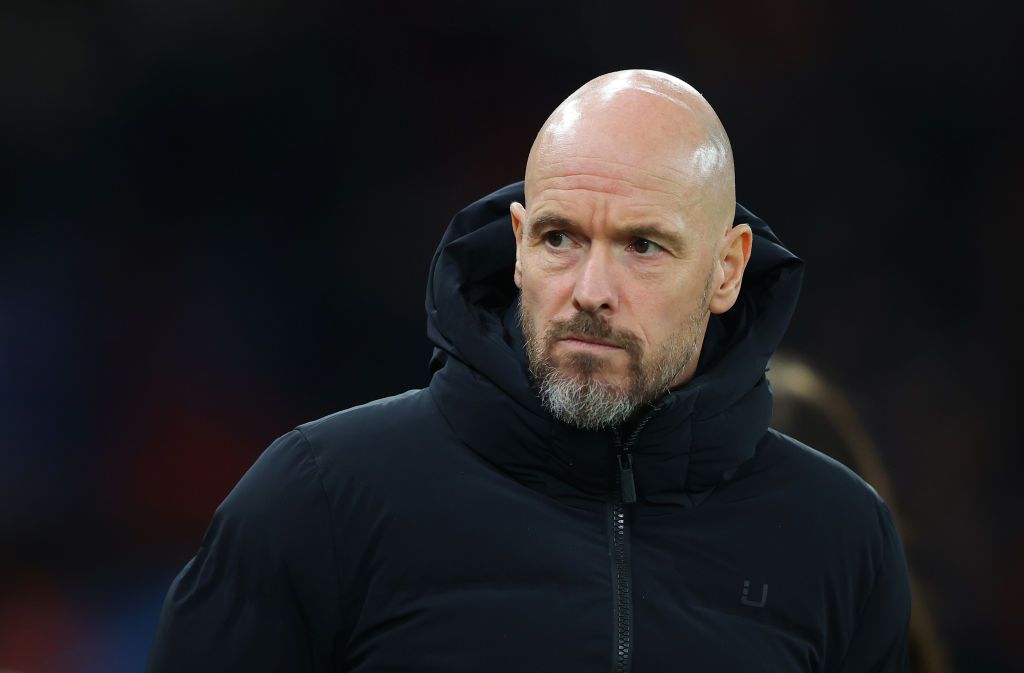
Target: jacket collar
point(696, 436)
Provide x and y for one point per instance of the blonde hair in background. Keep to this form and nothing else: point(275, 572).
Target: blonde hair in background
point(812, 410)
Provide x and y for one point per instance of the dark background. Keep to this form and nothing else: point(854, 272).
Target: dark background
point(216, 221)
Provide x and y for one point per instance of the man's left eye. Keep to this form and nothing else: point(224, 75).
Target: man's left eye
point(642, 246)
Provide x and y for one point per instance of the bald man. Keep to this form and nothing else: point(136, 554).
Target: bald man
point(588, 481)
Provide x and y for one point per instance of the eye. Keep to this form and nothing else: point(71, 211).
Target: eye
point(644, 248)
point(557, 240)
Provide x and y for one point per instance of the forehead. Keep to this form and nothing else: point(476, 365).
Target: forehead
point(586, 188)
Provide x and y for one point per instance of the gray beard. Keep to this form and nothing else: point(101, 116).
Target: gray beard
point(578, 398)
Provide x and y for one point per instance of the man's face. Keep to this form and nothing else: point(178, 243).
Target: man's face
point(615, 277)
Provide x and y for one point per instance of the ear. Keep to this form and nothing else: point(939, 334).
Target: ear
point(733, 255)
point(518, 213)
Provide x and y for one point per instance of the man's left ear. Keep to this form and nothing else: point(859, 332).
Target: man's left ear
point(733, 255)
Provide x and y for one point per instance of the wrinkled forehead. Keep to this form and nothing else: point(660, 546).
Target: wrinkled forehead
point(621, 185)
point(619, 188)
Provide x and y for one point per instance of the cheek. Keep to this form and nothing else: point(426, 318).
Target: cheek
point(551, 264)
point(544, 293)
point(661, 309)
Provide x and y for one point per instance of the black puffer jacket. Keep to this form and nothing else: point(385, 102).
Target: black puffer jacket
point(458, 528)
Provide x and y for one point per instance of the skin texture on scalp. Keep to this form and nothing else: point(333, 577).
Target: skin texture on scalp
point(642, 117)
point(625, 245)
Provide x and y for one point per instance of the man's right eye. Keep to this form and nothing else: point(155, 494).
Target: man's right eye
point(556, 239)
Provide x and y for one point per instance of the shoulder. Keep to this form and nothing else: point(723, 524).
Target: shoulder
point(277, 510)
point(381, 425)
point(380, 440)
point(811, 474)
point(282, 470)
point(819, 521)
point(307, 474)
point(816, 494)
point(372, 420)
point(293, 471)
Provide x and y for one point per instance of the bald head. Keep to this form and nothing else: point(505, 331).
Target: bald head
point(641, 122)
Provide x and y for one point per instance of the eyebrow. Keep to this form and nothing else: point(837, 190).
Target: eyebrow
point(651, 232)
point(550, 221)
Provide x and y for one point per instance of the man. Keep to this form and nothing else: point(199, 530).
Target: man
point(588, 483)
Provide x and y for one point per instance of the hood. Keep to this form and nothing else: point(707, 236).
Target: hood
point(700, 433)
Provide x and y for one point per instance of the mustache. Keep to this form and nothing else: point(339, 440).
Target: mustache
point(594, 327)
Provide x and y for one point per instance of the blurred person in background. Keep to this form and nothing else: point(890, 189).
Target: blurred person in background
point(812, 410)
point(589, 481)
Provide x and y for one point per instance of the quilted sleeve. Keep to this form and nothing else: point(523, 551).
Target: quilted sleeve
point(261, 594)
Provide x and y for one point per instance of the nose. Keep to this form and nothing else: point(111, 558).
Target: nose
point(594, 291)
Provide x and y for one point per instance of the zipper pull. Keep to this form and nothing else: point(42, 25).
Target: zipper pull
point(626, 478)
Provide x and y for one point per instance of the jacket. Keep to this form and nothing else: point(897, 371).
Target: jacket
point(459, 528)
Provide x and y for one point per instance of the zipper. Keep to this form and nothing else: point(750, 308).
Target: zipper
point(622, 606)
point(618, 540)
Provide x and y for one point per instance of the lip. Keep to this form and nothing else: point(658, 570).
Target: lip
point(589, 344)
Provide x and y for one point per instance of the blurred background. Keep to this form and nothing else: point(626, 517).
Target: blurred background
point(216, 221)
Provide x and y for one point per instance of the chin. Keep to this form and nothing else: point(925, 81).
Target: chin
point(592, 373)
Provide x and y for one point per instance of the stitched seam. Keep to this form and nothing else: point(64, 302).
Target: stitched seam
point(330, 515)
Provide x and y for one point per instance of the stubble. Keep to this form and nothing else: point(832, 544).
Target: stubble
point(571, 387)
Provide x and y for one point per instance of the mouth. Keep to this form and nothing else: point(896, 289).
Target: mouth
point(589, 343)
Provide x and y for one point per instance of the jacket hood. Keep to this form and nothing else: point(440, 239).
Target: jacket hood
point(698, 435)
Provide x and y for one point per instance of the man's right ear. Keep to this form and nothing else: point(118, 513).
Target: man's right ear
point(518, 213)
